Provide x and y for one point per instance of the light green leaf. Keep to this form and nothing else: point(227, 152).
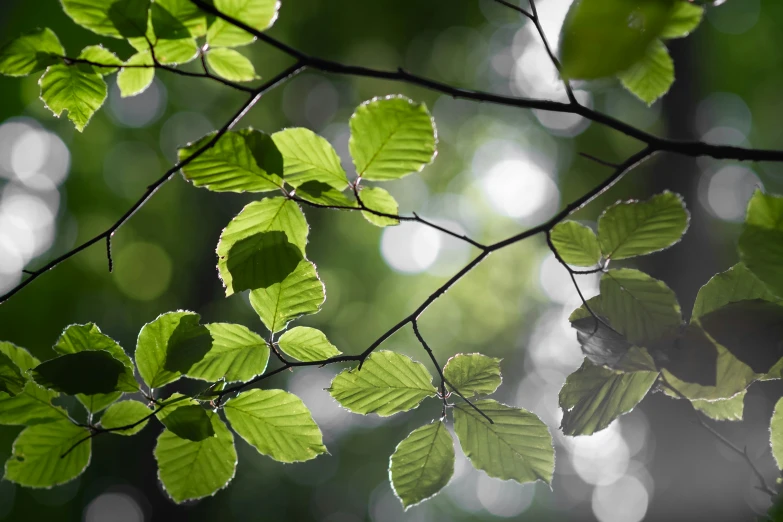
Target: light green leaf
point(379, 200)
point(237, 354)
point(387, 383)
point(73, 88)
point(32, 406)
point(309, 157)
point(391, 137)
point(473, 373)
point(652, 76)
point(177, 19)
point(241, 161)
point(576, 243)
point(37, 459)
point(191, 470)
point(88, 373)
point(231, 65)
point(593, 397)
point(19, 356)
point(600, 38)
point(169, 346)
point(307, 344)
point(776, 433)
point(31, 52)
point(126, 413)
point(12, 381)
point(277, 424)
point(115, 18)
point(258, 14)
point(135, 80)
point(167, 52)
point(100, 55)
point(517, 446)
point(300, 293)
point(761, 242)
point(724, 409)
point(422, 464)
point(735, 284)
point(187, 421)
point(634, 228)
point(684, 19)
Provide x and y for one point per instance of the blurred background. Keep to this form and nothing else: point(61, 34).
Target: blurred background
point(498, 171)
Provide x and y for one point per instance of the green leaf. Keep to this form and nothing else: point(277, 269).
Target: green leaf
point(733, 376)
point(761, 242)
point(600, 38)
point(652, 76)
point(735, 284)
point(73, 88)
point(309, 157)
point(177, 19)
point(37, 459)
point(516, 446)
point(126, 413)
point(241, 161)
point(391, 137)
point(258, 14)
point(473, 373)
point(187, 421)
point(300, 293)
point(31, 52)
point(169, 346)
point(323, 194)
point(237, 354)
point(167, 52)
point(11, 380)
point(19, 356)
point(32, 406)
point(88, 373)
point(277, 424)
point(593, 397)
point(191, 470)
point(387, 383)
point(100, 55)
point(776, 433)
point(307, 344)
point(684, 19)
point(135, 80)
point(379, 200)
point(724, 409)
point(422, 464)
point(635, 228)
point(231, 65)
point(576, 243)
point(115, 18)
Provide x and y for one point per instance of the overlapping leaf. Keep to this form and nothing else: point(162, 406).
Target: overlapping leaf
point(186, 420)
point(88, 373)
point(300, 293)
point(177, 19)
point(761, 242)
point(379, 200)
point(473, 373)
point(125, 413)
point(724, 409)
point(31, 52)
point(309, 157)
point(236, 354)
point(258, 14)
point(115, 18)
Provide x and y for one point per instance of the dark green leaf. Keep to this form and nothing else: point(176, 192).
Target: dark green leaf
point(77, 89)
point(323, 194)
point(187, 421)
point(88, 373)
point(31, 52)
point(473, 373)
point(116, 18)
point(422, 464)
point(177, 19)
point(684, 19)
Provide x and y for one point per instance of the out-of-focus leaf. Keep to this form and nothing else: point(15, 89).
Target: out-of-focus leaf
point(761, 242)
point(652, 76)
point(231, 65)
point(684, 19)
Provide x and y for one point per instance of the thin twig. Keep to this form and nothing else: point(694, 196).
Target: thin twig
point(599, 160)
point(108, 253)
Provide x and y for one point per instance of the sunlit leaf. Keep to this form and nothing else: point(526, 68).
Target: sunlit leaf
point(422, 464)
point(77, 89)
point(236, 354)
point(187, 421)
point(177, 19)
point(761, 242)
point(231, 65)
point(473, 373)
point(735, 284)
point(258, 14)
point(138, 77)
point(20, 357)
point(724, 409)
point(307, 344)
point(125, 413)
point(652, 76)
point(683, 20)
point(379, 200)
point(309, 157)
point(31, 52)
point(576, 243)
point(115, 18)
point(300, 293)
point(97, 54)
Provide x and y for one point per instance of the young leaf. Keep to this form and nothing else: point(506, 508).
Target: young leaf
point(684, 19)
point(12, 381)
point(191, 470)
point(387, 383)
point(422, 464)
point(761, 242)
point(593, 397)
point(735, 284)
point(31, 52)
point(378, 199)
point(136, 79)
point(231, 65)
point(473, 373)
point(516, 446)
point(177, 19)
point(309, 157)
point(391, 137)
point(307, 344)
point(635, 228)
point(576, 243)
point(37, 459)
point(776, 433)
point(277, 424)
point(73, 88)
point(187, 421)
point(88, 373)
point(258, 14)
point(115, 18)
point(97, 54)
point(241, 161)
point(300, 293)
point(237, 354)
point(32, 406)
point(724, 409)
point(126, 413)
point(652, 76)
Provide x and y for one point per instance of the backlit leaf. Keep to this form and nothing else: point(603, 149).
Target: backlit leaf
point(138, 77)
point(776, 433)
point(422, 464)
point(379, 200)
point(307, 344)
point(115, 18)
point(97, 54)
point(77, 89)
point(177, 19)
point(31, 52)
point(652, 76)
point(309, 157)
point(258, 14)
point(236, 354)
point(684, 19)
point(576, 243)
point(125, 413)
point(473, 373)
point(231, 65)
point(187, 421)
point(724, 409)
point(300, 293)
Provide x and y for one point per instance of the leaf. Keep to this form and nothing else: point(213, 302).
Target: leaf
point(517, 446)
point(600, 38)
point(307, 344)
point(97, 54)
point(684, 19)
point(236, 354)
point(776, 433)
point(652, 76)
point(126, 413)
point(473, 373)
point(176, 19)
point(11, 380)
point(277, 424)
point(724, 409)
point(309, 157)
point(262, 245)
point(576, 243)
point(690, 355)
point(422, 464)
point(136, 79)
point(88, 373)
point(634, 228)
point(391, 137)
point(169, 346)
point(761, 242)
point(115, 18)
point(258, 14)
point(593, 397)
point(191, 470)
point(379, 200)
point(20, 357)
point(167, 52)
point(300, 293)
point(323, 194)
point(187, 421)
point(231, 65)
point(387, 383)
point(32, 406)
point(735, 284)
point(241, 161)
point(37, 459)
point(31, 52)
point(73, 88)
